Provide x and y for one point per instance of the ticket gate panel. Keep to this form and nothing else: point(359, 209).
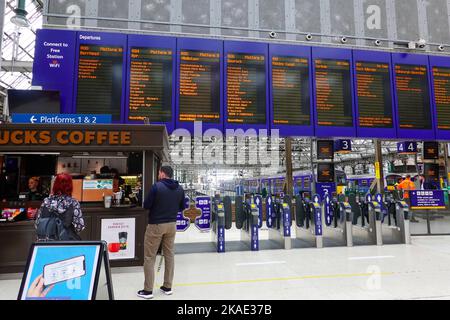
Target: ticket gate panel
point(311, 232)
point(281, 233)
point(239, 209)
point(228, 212)
point(400, 232)
point(249, 231)
point(337, 223)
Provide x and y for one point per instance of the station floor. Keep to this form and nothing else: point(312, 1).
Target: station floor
point(417, 271)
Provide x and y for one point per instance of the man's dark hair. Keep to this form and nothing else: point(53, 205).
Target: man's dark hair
point(408, 176)
point(168, 171)
point(104, 170)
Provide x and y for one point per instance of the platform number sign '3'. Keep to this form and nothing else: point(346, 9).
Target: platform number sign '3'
point(407, 147)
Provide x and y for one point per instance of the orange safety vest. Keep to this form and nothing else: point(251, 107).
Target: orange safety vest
point(406, 185)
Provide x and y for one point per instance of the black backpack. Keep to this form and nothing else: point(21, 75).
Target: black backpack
point(53, 225)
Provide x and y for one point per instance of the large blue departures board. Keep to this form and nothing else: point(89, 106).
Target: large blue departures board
point(300, 90)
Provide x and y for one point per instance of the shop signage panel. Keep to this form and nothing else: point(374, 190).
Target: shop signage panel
point(120, 235)
point(61, 272)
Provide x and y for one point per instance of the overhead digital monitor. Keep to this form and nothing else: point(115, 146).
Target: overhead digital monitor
point(441, 81)
point(431, 150)
point(333, 93)
point(325, 172)
point(150, 84)
point(291, 91)
point(99, 88)
point(325, 149)
point(413, 97)
point(246, 89)
point(199, 86)
point(374, 95)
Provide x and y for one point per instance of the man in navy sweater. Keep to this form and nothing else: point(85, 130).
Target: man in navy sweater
point(165, 200)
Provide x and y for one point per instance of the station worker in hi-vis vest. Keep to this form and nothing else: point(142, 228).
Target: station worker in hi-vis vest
point(165, 200)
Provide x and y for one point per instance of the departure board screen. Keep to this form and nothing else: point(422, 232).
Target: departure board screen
point(100, 80)
point(325, 172)
point(441, 77)
point(150, 84)
point(374, 95)
point(246, 89)
point(290, 91)
point(334, 93)
point(413, 96)
point(199, 86)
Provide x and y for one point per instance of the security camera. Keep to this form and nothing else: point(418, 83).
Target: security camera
point(343, 40)
point(377, 43)
point(421, 43)
point(273, 34)
point(441, 47)
point(309, 37)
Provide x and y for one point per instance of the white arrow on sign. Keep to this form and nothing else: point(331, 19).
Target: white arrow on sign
point(33, 119)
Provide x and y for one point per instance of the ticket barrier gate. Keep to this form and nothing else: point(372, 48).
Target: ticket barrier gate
point(280, 230)
point(396, 230)
point(247, 219)
point(218, 227)
point(363, 220)
point(337, 222)
point(309, 222)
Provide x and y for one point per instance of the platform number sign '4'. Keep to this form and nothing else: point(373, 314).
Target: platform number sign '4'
point(407, 147)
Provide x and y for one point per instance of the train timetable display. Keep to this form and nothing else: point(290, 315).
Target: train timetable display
point(150, 84)
point(333, 93)
point(441, 77)
point(290, 91)
point(246, 88)
point(374, 95)
point(413, 96)
point(199, 98)
point(100, 80)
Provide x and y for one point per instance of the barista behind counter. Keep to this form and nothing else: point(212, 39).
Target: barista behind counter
point(34, 193)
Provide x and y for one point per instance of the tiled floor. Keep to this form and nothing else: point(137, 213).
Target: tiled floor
point(417, 271)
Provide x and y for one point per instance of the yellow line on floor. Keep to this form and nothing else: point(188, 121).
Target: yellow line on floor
point(330, 276)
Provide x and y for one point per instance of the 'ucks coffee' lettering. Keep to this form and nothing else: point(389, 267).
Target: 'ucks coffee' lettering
point(64, 137)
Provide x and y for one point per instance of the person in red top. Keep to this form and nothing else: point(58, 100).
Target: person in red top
point(407, 185)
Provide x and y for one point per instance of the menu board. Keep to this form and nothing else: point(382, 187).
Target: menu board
point(413, 96)
point(441, 77)
point(199, 91)
point(290, 91)
point(150, 84)
point(246, 88)
point(333, 93)
point(374, 95)
point(100, 80)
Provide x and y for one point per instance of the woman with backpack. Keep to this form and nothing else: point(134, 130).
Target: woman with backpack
point(60, 216)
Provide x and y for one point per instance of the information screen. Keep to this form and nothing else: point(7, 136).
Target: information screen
point(246, 89)
point(441, 77)
point(374, 95)
point(291, 91)
point(431, 150)
point(199, 86)
point(150, 84)
point(325, 172)
point(100, 80)
point(325, 149)
point(413, 96)
point(334, 93)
